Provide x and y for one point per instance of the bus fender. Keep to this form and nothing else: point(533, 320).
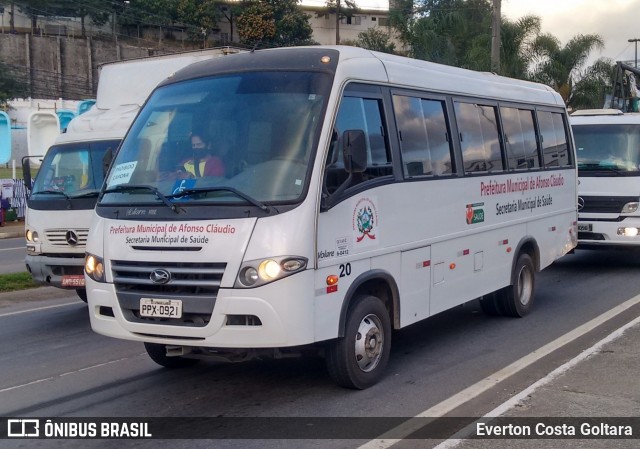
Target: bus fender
point(378, 283)
point(529, 245)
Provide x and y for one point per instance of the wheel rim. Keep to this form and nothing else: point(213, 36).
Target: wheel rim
point(369, 343)
point(525, 285)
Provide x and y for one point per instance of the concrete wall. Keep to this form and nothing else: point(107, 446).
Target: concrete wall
point(58, 67)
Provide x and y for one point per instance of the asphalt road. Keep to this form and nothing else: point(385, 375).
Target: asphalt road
point(52, 364)
point(12, 254)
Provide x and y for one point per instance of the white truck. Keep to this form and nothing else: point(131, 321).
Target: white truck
point(64, 192)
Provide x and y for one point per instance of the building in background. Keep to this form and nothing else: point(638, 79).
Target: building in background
point(370, 14)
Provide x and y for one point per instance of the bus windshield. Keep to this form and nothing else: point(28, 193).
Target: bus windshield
point(72, 170)
point(608, 150)
point(242, 138)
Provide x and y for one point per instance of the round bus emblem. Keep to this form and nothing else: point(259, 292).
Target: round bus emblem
point(160, 276)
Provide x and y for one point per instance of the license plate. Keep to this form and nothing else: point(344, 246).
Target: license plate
point(585, 227)
point(73, 280)
point(160, 308)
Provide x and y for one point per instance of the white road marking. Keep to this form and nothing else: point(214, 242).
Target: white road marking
point(444, 407)
point(13, 249)
point(515, 400)
point(46, 379)
point(2, 315)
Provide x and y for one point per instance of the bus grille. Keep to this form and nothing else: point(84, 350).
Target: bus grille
point(605, 204)
point(195, 284)
point(70, 238)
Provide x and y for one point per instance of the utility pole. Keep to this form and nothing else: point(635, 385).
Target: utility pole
point(495, 37)
point(337, 22)
point(636, 42)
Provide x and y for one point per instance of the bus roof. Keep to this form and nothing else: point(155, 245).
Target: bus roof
point(363, 65)
point(604, 117)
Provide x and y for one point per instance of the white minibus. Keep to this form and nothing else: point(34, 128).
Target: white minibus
point(608, 158)
point(361, 192)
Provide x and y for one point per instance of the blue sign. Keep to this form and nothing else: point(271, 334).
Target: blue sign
point(5, 138)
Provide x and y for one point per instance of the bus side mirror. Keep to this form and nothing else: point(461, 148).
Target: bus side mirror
point(354, 148)
point(26, 173)
point(106, 160)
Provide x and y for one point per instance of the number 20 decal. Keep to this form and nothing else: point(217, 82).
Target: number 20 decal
point(345, 270)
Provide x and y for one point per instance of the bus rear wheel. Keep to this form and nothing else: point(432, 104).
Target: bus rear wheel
point(358, 359)
point(516, 300)
point(158, 354)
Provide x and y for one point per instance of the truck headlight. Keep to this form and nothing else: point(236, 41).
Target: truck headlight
point(630, 208)
point(255, 273)
point(94, 267)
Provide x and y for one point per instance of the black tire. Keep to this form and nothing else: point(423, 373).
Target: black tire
point(489, 305)
point(158, 354)
point(82, 294)
point(352, 363)
point(516, 300)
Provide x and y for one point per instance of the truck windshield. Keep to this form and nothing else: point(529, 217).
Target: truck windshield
point(242, 138)
point(72, 170)
point(607, 150)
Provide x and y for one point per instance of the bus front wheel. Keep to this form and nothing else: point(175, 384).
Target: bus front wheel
point(358, 359)
point(158, 354)
point(516, 300)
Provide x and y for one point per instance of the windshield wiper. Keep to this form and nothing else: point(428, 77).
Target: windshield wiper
point(54, 192)
point(87, 194)
point(132, 187)
point(236, 192)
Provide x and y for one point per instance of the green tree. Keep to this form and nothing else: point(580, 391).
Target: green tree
point(516, 49)
point(593, 84)
point(559, 67)
point(279, 23)
point(256, 24)
point(36, 8)
point(201, 15)
point(342, 9)
point(99, 11)
point(375, 39)
point(145, 13)
point(453, 32)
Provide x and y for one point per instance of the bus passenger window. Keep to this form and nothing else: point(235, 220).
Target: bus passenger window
point(423, 132)
point(479, 141)
point(520, 139)
point(554, 139)
point(364, 114)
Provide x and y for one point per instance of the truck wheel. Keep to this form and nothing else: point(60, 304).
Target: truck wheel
point(358, 359)
point(516, 300)
point(490, 306)
point(82, 294)
point(158, 354)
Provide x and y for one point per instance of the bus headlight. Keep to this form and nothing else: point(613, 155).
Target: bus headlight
point(254, 273)
point(94, 267)
point(630, 208)
point(31, 236)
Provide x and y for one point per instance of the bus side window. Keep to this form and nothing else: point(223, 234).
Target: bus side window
point(364, 114)
point(478, 127)
point(555, 150)
point(520, 138)
point(424, 136)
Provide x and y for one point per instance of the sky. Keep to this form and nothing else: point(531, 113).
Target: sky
point(616, 21)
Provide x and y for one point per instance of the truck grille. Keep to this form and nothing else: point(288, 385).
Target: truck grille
point(195, 284)
point(67, 237)
point(605, 204)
